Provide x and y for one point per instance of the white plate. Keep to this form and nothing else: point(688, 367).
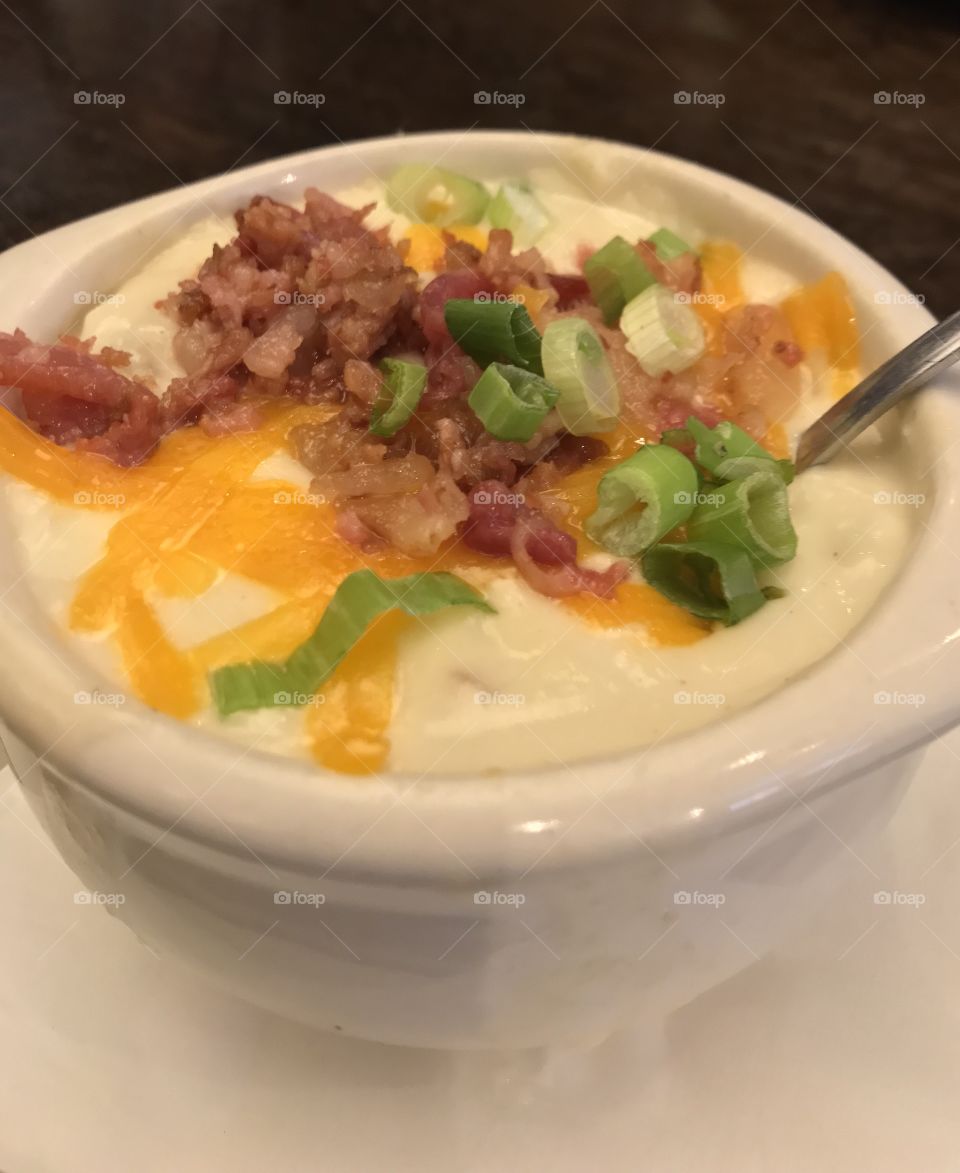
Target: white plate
point(842, 1055)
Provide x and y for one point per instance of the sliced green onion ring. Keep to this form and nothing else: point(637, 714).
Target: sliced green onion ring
point(517, 208)
point(642, 498)
point(576, 363)
point(728, 452)
point(708, 579)
point(668, 245)
point(511, 403)
point(751, 513)
point(361, 598)
point(403, 384)
point(663, 333)
point(434, 195)
point(493, 331)
point(616, 274)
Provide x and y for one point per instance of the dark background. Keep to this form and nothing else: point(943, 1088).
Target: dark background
point(797, 81)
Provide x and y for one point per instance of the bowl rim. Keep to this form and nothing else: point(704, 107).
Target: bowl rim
point(707, 781)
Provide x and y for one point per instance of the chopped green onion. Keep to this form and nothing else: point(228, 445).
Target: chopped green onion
point(663, 334)
point(517, 208)
point(642, 498)
point(751, 513)
point(728, 452)
point(400, 391)
point(511, 403)
point(575, 362)
point(708, 579)
point(616, 275)
point(434, 195)
point(668, 245)
point(361, 598)
point(494, 331)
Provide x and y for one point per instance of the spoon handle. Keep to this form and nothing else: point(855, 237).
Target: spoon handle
point(909, 369)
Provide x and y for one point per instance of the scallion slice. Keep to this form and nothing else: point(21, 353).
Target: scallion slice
point(663, 334)
point(434, 195)
point(511, 403)
point(517, 208)
point(642, 498)
point(575, 362)
point(494, 331)
point(728, 452)
point(708, 579)
point(403, 384)
point(616, 274)
point(360, 599)
point(668, 245)
point(751, 513)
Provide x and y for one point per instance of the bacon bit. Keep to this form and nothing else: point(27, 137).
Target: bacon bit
point(564, 577)
point(229, 420)
point(571, 289)
point(69, 395)
point(502, 525)
point(672, 412)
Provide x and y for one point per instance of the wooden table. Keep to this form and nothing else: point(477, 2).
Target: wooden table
point(782, 95)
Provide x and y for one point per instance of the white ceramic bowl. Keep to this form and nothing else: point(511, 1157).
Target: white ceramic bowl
point(199, 836)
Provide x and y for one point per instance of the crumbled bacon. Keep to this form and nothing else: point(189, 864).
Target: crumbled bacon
point(69, 395)
point(571, 289)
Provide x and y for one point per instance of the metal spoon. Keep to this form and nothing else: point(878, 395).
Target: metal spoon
point(908, 370)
